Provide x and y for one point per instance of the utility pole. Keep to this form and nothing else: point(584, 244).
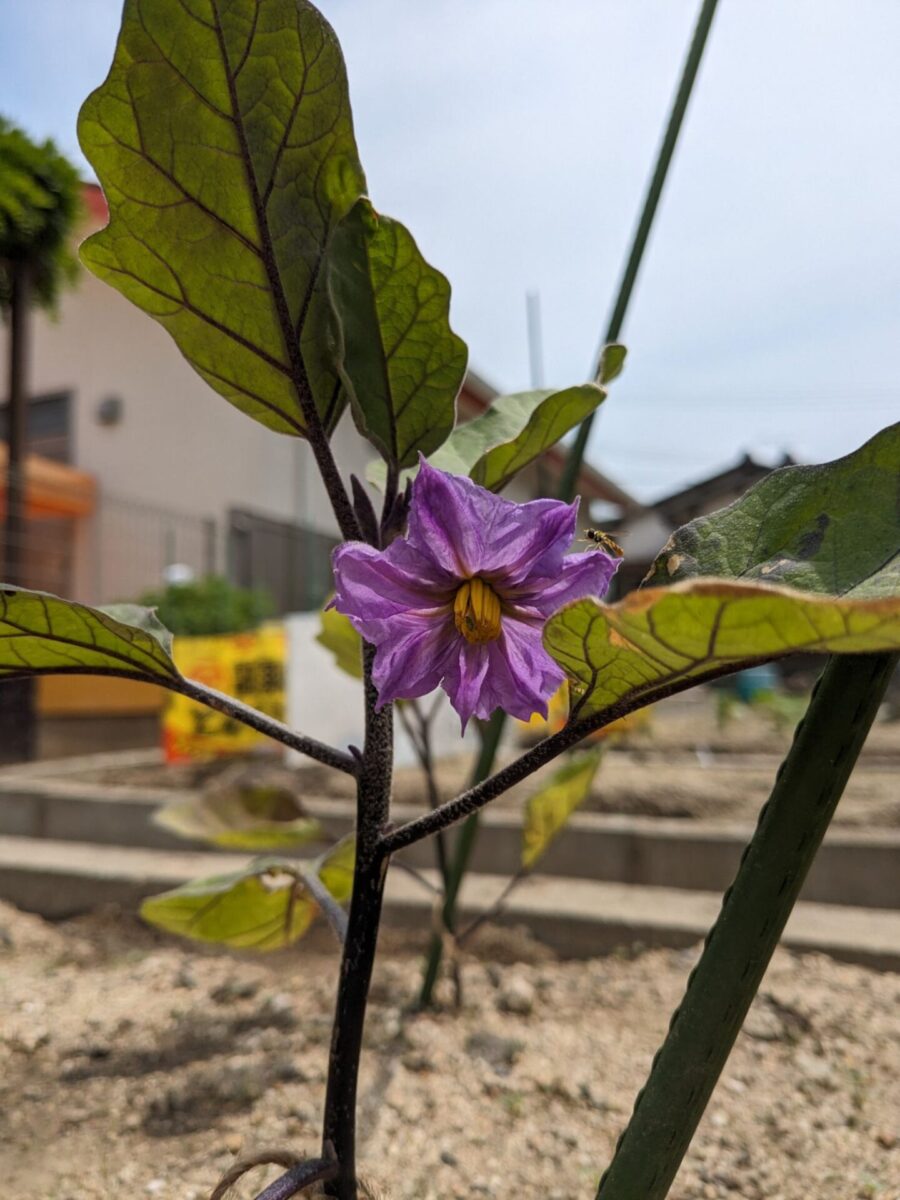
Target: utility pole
point(535, 338)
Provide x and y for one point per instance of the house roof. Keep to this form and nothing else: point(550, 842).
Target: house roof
point(680, 506)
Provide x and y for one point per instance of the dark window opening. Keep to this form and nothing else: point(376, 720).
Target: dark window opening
point(49, 427)
point(290, 562)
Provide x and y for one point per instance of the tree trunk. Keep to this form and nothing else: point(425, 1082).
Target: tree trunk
point(17, 706)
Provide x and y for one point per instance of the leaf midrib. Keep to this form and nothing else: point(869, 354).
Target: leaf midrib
point(291, 342)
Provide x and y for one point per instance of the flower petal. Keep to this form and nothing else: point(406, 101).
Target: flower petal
point(402, 554)
point(529, 540)
point(514, 673)
point(468, 530)
point(464, 680)
point(412, 654)
point(522, 675)
point(578, 575)
point(446, 520)
point(370, 586)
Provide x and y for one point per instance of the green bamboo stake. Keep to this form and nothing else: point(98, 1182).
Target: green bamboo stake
point(754, 912)
point(491, 733)
point(568, 482)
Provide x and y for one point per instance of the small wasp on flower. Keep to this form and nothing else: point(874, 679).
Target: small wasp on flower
point(603, 541)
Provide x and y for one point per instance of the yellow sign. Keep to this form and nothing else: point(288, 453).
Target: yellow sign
point(248, 666)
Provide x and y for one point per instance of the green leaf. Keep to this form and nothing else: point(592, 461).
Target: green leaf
point(547, 811)
point(41, 634)
point(655, 639)
point(339, 637)
point(402, 365)
point(612, 362)
point(831, 529)
point(223, 139)
point(335, 868)
point(832, 532)
point(513, 432)
point(141, 617)
point(247, 808)
point(264, 906)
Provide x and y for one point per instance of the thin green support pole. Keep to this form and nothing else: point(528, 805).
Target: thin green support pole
point(754, 912)
point(462, 852)
point(569, 482)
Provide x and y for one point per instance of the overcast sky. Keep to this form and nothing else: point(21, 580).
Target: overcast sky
point(514, 137)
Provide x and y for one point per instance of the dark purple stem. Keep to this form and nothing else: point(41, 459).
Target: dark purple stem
point(372, 812)
point(263, 724)
point(318, 1170)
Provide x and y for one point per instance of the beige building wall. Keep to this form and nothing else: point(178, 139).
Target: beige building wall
point(179, 446)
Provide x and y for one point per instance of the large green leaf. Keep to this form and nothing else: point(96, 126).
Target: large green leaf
point(264, 906)
point(223, 139)
point(41, 634)
point(548, 810)
point(831, 529)
point(247, 808)
point(832, 532)
point(339, 637)
point(656, 639)
point(401, 363)
point(513, 432)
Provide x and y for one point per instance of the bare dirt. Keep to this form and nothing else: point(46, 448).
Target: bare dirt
point(134, 1066)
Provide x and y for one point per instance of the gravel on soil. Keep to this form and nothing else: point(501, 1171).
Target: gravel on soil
point(131, 1065)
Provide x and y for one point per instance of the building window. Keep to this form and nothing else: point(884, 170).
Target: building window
point(289, 562)
point(49, 428)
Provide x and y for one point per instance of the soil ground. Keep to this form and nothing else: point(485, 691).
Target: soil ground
point(134, 1066)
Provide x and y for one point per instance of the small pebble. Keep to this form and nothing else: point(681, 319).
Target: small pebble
point(516, 996)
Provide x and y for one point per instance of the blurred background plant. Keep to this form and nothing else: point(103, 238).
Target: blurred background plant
point(210, 605)
point(759, 690)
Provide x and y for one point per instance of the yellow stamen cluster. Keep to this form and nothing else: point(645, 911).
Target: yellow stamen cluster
point(476, 611)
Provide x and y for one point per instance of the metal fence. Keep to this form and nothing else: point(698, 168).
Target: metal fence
point(290, 562)
point(132, 544)
point(123, 550)
point(49, 554)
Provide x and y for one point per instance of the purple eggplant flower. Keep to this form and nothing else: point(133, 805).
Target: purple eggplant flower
point(460, 602)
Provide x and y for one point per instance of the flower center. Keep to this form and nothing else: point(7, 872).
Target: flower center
point(476, 611)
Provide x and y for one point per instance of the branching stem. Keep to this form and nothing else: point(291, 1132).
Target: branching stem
point(262, 723)
point(473, 800)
